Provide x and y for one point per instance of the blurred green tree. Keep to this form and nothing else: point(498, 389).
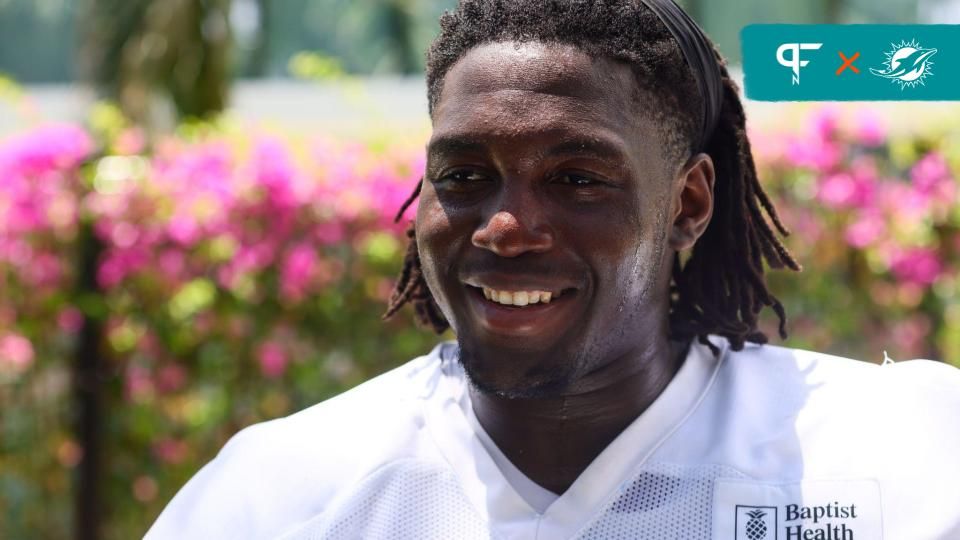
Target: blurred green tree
point(151, 56)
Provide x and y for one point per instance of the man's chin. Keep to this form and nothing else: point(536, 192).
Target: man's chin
point(516, 375)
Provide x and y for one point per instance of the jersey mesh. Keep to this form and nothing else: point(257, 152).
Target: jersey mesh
point(665, 501)
point(407, 499)
point(416, 499)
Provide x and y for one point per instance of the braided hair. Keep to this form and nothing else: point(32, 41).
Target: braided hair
point(719, 287)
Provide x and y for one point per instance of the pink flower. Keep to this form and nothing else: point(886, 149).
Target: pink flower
point(767, 146)
point(183, 229)
point(911, 334)
point(273, 359)
point(70, 320)
point(864, 169)
point(118, 264)
point(171, 262)
point(14, 250)
point(824, 121)
point(26, 207)
point(274, 171)
point(44, 270)
point(124, 234)
point(171, 451)
point(869, 129)
point(866, 230)
point(206, 166)
point(130, 141)
point(16, 354)
point(388, 196)
point(138, 387)
point(845, 190)
point(932, 178)
point(49, 148)
point(815, 154)
point(904, 201)
point(297, 271)
point(921, 266)
point(328, 232)
point(929, 171)
point(171, 377)
point(804, 224)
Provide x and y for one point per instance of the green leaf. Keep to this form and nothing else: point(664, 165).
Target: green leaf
point(192, 298)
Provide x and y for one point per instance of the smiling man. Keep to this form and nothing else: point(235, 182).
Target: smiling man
point(591, 227)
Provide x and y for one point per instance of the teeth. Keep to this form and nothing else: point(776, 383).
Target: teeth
point(517, 298)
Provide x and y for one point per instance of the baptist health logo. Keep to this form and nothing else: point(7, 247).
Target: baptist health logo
point(828, 522)
point(907, 64)
point(795, 62)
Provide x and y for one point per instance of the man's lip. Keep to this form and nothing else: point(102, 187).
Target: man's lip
point(533, 320)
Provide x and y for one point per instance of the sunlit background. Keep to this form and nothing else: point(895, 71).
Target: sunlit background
point(196, 226)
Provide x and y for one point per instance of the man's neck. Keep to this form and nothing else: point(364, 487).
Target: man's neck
point(552, 440)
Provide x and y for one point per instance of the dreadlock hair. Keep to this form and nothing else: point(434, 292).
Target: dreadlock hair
point(719, 288)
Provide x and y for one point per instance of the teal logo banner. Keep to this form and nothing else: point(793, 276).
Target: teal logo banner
point(855, 62)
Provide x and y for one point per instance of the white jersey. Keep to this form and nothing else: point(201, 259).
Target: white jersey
point(763, 444)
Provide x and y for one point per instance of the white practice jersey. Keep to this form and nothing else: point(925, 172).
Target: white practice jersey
point(766, 443)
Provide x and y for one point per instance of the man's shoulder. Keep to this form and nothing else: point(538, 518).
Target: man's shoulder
point(370, 401)
point(357, 416)
point(816, 374)
point(838, 408)
point(822, 428)
point(283, 471)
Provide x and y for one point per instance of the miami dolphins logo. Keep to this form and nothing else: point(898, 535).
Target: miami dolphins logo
point(907, 64)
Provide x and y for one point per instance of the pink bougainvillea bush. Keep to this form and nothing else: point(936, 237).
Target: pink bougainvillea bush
point(876, 219)
point(241, 274)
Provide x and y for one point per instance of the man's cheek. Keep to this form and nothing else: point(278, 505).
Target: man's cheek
point(431, 267)
point(635, 276)
point(438, 281)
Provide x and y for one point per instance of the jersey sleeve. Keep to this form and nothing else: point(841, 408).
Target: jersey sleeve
point(217, 503)
point(272, 477)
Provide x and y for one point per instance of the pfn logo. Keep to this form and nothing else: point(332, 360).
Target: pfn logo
point(794, 62)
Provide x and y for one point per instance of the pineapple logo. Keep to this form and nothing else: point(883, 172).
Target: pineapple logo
point(756, 523)
point(756, 528)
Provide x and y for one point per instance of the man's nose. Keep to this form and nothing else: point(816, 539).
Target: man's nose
point(514, 230)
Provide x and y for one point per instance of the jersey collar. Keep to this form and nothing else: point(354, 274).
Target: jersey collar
point(495, 499)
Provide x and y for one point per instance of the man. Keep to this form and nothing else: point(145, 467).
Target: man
point(592, 228)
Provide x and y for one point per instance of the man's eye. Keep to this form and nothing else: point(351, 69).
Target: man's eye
point(463, 176)
point(577, 180)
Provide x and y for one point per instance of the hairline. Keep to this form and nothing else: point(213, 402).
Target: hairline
point(676, 148)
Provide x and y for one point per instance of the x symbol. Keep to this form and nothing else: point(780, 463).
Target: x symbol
point(848, 62)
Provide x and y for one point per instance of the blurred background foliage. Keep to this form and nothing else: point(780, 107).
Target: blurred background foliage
point(170, 273)
point(370, 36)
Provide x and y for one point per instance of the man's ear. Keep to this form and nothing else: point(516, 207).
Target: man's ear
point(692, 202)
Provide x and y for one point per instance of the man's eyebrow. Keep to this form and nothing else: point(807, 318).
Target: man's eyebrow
point(572, 145)
point(588, 146)
point(454, 145)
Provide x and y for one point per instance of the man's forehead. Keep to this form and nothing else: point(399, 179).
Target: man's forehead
point(538, 95)
point(550, 69)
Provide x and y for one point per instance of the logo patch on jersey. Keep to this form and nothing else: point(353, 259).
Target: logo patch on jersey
point(756, 522)
point(809, 510)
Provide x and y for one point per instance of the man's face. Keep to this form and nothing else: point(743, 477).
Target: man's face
point(544, 174)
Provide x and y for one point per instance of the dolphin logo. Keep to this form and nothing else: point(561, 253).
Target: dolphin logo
point(907, 63)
